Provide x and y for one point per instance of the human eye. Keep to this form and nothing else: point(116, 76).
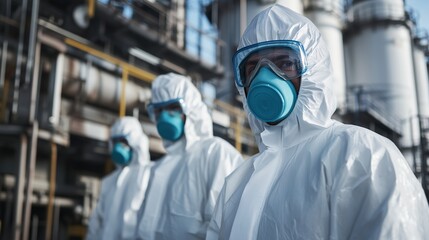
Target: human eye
point(249, 69)
point(286, 65)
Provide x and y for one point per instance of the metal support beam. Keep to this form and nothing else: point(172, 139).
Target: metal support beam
point(19, 58)
point(30, 177)
point(52, 183)
point(19, 190)
point(122, 104)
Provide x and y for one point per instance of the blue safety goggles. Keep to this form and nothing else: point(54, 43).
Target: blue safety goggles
point(155, 109)
point(121, 138)
point(288, 56)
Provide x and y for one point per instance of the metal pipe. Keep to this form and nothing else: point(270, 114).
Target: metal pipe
point(132, 70)
point(7, 232)
point(3, 102)
point(122, 103)
point(91, 8)
point(19, 58)
point(35, 84)
point(30, 178)
point(101, 87)
point(243, 16)
point(32, 41)
point(61, 31)
point(55, 226)
point(238, 127)
point(56, 98)
point(3, 62)
point(19, 190)
point(52, 42)
point(52, 182)
point(413, 144)
point(35, 224)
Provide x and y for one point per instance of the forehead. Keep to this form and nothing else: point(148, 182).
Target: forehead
point(270, 53)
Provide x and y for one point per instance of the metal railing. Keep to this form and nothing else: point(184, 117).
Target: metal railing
point(364, 102)
point(375, 10)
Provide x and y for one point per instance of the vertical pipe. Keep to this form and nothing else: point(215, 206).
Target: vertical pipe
point(56, 101)
point(3, 61)
point(52, 183)
point(91, 8)
point(413, 145)
point(238, 126)
point(7, 234)
point(19, 58)
point(243, 16)
point(5, 47)
point(32, 41)
point(35, 84)
point(424, 153)
point(30, 177)
point(34, 226)
point(180, 23)
point(55, 226)
point(20, 187)
point(122, 104)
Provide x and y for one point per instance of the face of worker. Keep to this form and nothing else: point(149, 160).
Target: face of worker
point(280, 67)
point(170, 121)
point(282, 60)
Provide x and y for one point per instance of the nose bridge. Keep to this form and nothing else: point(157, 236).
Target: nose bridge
point(264, 61)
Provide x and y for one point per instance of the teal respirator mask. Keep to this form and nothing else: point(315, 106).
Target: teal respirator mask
point(121, 152)
point(265, 70)
point(168, 117)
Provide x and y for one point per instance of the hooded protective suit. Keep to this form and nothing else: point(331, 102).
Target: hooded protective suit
point(316, 178)
point(186, 182)
point(123, 191)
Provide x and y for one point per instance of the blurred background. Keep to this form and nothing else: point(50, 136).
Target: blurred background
point(69, 68)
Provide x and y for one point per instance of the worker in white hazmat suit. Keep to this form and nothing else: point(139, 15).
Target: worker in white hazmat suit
point(186, 182)
point(123, 191)
point(314, 178)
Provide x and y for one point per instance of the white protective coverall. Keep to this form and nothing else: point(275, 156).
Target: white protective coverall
point(123, 191)
point(316, 178)
point(186, 182)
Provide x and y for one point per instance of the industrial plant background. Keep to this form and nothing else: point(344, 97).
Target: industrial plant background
point(70, 68)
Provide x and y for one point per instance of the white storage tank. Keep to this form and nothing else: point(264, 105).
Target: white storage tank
point(379, 61)
point(328, 16)
point(420, 68)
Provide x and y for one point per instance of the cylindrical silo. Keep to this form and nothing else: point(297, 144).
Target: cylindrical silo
point(420, 47)
point(327, 15)
point(379, 62)
point(422, 80)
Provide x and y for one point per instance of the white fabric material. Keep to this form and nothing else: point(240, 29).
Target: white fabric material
point(186, 182)
point(323, 179)
point(123, 191)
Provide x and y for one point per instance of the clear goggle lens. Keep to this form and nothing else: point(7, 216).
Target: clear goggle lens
point(174, 105)
point(119, 139)
point(286, 56)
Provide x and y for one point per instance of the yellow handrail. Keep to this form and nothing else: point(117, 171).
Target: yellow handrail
point(132, 70)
